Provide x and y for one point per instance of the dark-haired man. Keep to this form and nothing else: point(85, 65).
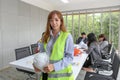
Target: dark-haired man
point(82, 38)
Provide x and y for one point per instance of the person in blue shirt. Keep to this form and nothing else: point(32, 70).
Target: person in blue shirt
point(55, 30)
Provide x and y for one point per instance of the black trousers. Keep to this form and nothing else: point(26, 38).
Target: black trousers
point(87, 62)
point(44, 76)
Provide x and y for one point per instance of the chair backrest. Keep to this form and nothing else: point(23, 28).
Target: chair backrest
point(112, 55)
point(22, 52)
point(115, 66)
point(109, 52)
point(34, 48)
point(109, 48)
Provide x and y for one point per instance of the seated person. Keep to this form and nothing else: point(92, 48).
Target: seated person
point(103, 43)
point(93, 51)
point(82, 38)
point(82, 41)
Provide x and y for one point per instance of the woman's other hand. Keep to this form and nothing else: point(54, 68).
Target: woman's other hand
point(49, 68)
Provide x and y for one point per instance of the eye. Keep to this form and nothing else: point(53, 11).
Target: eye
point(51, 20)
point(56, 19)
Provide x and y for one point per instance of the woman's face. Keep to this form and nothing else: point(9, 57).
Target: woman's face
point(101, 39)
point(55, 22)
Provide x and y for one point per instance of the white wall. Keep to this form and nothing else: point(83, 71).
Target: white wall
point(21, 24)
point(0, 39)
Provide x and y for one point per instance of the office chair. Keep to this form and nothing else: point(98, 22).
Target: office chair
point(34, 48)
point(96, 76)
point(106, 64)
point(21, 53)
point(106, 52)
point(110, 55)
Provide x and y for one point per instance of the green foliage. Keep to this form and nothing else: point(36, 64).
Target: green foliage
point(85, 24)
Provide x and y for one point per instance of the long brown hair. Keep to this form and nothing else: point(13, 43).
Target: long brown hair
point(48, 26)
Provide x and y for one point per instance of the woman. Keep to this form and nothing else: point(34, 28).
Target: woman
point(58, 44)
point(103, 43)
point(93, 51)
point(93, 46)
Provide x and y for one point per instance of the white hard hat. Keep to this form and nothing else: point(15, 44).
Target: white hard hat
point(41, 60)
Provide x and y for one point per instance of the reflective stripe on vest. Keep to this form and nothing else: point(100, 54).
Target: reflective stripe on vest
point(53, 61)
point(60, 75)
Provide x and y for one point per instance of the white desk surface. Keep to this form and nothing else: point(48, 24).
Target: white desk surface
point(26, 63)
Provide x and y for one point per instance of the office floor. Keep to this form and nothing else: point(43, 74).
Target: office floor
point(13, 74)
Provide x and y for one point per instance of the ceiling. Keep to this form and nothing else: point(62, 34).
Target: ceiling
point(72, 5)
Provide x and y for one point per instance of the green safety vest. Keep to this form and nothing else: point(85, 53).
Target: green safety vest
point(57, 55)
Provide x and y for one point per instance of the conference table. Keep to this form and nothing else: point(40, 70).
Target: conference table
point(26, 63)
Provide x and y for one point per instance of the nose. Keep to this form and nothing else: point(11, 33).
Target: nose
point(53, 21)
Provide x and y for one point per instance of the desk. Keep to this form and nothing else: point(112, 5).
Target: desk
point(26, 63)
